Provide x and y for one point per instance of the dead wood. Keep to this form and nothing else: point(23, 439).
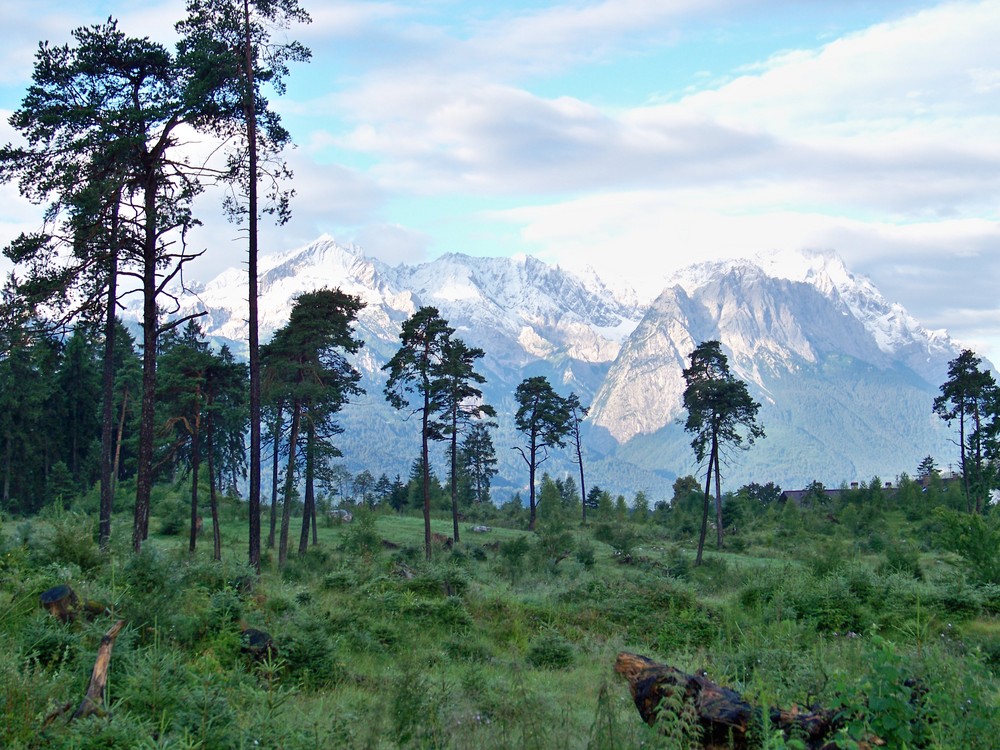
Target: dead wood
point(257, 644)
point(60, 601)
point(726, 719)
point(93, 701)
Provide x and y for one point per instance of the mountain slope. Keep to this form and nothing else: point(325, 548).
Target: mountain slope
point(845, 378)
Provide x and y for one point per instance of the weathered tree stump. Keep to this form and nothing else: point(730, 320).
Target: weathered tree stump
point(726, 719)
point(93, 701)
point(257, 644)
point(61, 602)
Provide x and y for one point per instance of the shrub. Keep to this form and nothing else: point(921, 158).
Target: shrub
point(412, 709)
point(975, 538)
point(175, 517)
point(468, 648)
point(585, 555)
point(902, 557)
point(686, 627)
point(550, 651)
point(361, 540)
point(70, 541)
point(340, 580)
point(49, 643)
point(512, 553)
point(309, 652)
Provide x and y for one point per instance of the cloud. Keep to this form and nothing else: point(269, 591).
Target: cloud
point(395, 243)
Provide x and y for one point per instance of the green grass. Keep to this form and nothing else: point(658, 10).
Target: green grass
point(481, 647)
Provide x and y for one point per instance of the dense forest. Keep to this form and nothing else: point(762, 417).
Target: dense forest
point(151, 486)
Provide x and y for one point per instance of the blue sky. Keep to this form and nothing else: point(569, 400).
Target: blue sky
point(633, 136)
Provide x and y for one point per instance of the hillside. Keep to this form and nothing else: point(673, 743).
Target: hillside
point(508, 639)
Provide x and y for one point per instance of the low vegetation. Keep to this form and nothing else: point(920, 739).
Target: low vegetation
point(871, 604)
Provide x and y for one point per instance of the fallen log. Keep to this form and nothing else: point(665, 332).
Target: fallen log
point(93, 701)
point(726, 719)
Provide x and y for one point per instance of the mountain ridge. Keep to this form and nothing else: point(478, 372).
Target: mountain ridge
point(819, 345)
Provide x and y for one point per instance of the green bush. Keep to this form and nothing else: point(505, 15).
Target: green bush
point(71, 541)
point(686, 627)
point(49, 643)
point(550, 651)
point(468, 648)
point(902, 557)
point(586, 555)
point(309, 651)
point(361, 540)
point(175, 517)
point(512, 554)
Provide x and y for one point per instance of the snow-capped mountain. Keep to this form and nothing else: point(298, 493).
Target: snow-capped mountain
point(846, 378)
point(518, 309)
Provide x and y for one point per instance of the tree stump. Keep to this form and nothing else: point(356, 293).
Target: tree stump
point(726, 719)
point(257, 644)
point(61, 602)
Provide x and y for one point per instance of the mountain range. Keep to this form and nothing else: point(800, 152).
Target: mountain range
point(845, 378)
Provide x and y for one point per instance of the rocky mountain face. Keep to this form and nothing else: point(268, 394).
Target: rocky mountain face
point(845, 378)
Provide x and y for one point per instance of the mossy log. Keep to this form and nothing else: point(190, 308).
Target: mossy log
point(93, 701)
point(726, 719)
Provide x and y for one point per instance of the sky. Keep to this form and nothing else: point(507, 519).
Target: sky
point(631, 136)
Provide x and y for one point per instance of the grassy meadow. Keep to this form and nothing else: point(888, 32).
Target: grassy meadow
point(505, 640)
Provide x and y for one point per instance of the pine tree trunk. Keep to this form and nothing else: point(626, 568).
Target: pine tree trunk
point(308, 510)
point(212, 499)
point(108, 395)
point(250, 115)
point(195, 471)
point(454, 477)
point(718, 502)
point(704, 512)
point(275, 471)
point(144, 477)
point(315, 535)
point(286, 505)
point(118, 443)
point(531, 484)
point(425, 459)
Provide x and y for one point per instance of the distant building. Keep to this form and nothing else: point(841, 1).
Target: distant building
point(805, 497)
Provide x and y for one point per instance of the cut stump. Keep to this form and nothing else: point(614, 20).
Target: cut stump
point(726, 719)
point(257, 644)
point(60, 601)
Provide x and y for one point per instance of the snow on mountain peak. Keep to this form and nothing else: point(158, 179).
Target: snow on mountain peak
point(893, 329)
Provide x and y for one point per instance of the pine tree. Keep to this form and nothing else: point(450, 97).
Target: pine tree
point(228, 45)
point(721, 413)
point(306, 366)
point(970, 396)
point(479, 460)
point(415, 369)
point(459, 403)
point(544, 419)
